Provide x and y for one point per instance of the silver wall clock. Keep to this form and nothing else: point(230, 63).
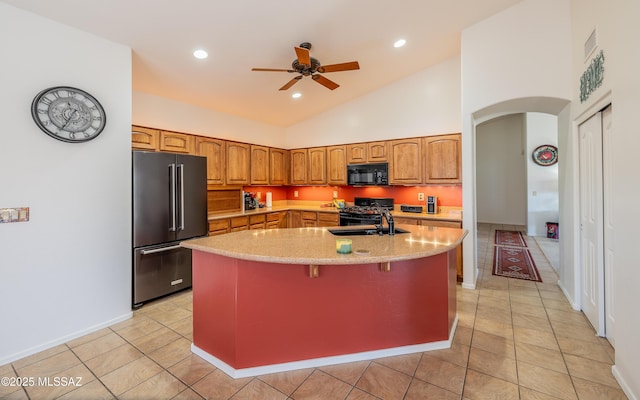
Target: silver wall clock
point(68, 114)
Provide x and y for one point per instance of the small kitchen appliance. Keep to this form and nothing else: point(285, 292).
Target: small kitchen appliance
point(432, 204)
point(368, 174)
point(411, 209)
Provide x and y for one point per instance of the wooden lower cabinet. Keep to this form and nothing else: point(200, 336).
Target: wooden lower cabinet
point(328, 219)
point(295, 219)
point(258, 221)
point(277, 220)
point(218, 227)
point(309, 219)
point(238, 224)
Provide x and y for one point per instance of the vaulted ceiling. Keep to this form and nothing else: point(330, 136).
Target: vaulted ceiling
point(242, 34)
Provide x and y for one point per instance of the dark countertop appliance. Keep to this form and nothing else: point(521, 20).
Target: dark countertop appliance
point(368, 174)
point(365, 211)
point(169, 205)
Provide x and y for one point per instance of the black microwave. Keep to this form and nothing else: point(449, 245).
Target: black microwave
point(368, 174)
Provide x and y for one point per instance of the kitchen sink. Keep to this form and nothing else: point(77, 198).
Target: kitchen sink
point(363, 231)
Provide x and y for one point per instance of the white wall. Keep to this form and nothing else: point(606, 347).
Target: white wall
point(542, 181)
point(501, 183)
point(618, 33)
point(425, 103)
point(67, 271)
point(160, 112)
point(520, 60)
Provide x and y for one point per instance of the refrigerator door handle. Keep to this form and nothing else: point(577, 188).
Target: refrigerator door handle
point(181, 205)
point(160, 250)
point(172, 171)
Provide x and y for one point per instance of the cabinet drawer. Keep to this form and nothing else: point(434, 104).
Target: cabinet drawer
point(259, 225)
point(328, 219)
point(271, 217)
point(257, 219)
point(406, 220)
point(444, 224)
point(238, 222)
point(218, 226)
point(309, 215)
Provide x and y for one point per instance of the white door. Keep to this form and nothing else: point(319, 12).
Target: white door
point(609, 265)
point(591, 221)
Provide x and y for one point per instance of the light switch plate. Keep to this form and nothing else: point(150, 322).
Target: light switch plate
point(15, 214)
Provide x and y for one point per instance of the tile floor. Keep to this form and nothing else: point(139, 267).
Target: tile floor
point(515, 340)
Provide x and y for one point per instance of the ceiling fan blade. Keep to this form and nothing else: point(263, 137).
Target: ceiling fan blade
point(291, 82)
point(329, 84)
point(303, 55)
point(272, 69)
point(348, 66)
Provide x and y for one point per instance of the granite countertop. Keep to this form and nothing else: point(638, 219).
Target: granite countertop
point(444, 214)
point(317, 246)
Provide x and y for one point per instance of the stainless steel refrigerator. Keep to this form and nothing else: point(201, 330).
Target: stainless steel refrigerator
point(169, 205)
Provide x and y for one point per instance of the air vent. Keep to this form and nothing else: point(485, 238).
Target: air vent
point(591, 44)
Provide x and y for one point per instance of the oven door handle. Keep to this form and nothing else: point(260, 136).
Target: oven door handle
point(160, 250)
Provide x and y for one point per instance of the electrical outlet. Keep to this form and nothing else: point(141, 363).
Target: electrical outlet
point(420, 196)
point(335, 194)
point(259, 195)
point(295, 193)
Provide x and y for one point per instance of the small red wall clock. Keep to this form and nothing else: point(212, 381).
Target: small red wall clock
point(545, 155)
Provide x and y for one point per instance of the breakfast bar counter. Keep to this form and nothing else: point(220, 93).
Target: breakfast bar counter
point(274, 300)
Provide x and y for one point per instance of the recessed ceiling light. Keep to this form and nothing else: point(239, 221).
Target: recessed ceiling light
point(200, 54)
point(399, 43)
point(296, 95)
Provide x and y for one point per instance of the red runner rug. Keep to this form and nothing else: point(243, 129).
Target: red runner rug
point(510, 238)
point(515, 262)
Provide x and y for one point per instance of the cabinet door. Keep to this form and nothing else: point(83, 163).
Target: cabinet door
point(238, 163)
point(443, 155)
point(144, 138)
point(176, 142)
point(406, 220)
point(259, 165)
point(328, 219)
point(337, 165)
point(377, 152)
point(214, 150)
point(278, 166)
point(218, 227)
point(317, 166)
point(299, 167)
point(405, 166)
point(357, 153)
point(295, 219)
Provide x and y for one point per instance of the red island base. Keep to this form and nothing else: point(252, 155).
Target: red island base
point(252, 318)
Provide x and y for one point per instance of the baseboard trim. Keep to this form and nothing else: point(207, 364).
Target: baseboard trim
point(64, 339)
point(569, 299)
point(237, 373)
point(623, 384)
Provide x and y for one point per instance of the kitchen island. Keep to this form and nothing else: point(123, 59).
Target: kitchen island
point(280, 299)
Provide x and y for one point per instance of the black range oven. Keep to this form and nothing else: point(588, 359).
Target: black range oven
point(365, 211)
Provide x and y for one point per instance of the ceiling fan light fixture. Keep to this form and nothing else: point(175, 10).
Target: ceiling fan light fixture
point(200, 54)
point(399, 43)
point(296, 95)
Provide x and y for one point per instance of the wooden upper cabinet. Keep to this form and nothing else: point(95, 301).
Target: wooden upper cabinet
point(357, 153)
point(317, 174)
point(337, 165)
point(405, 165)
point(259, 165)
point(214, 150)
point(377, 152)
point(238, 157)
point(298, 167)
point(443, 156)
point(176, 142)
point(144, 138)
point(278, 166)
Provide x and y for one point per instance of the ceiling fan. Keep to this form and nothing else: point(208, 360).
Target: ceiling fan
point(306, 65)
